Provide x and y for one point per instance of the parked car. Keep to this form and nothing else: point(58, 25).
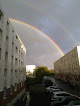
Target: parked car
point(74, 103)
point(49, 88)
point(65, 80)
point(55, 90)
point(58, 95)
point(64, 101)
point(48, 83)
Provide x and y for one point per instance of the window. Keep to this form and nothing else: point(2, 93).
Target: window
point(21, 55)
point(5, 73)
point(0, 73)
point(6, 55)
point(19, 62)
point(12, 33)
point(7, 40)
point(19, 52)
point(12, 45)
point(0, 34)
point(21, 84)
point(16, 61)
point(7, 26)
point(12, 60)
point(11, 90)
point(16, 38)
point(11, 73)
point(16, 50)
point(1, 16)
point(21, 73)
point(4, 93)
point(15, 87)
point(0, 53)
point(16, 73)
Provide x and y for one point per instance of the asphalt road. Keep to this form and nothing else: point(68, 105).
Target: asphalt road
point(75, 90)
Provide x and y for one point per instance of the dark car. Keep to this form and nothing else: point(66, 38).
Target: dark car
point(64, 101)
point(75, 102)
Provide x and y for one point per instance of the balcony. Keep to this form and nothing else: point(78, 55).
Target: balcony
point(5, 82)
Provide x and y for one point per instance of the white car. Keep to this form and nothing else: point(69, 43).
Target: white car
point(55, 90)
point(48, 89)
point(60, 94)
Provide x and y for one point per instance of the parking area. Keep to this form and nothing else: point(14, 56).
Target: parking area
point(63, 93)
point(66, 86)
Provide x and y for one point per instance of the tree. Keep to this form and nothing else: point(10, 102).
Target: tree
point(41, 71)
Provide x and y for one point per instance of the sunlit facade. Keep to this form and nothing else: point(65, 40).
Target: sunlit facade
point(12, 63)
point(30, 69)
point(68, 67)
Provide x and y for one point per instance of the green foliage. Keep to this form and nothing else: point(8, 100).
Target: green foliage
point(32, 81)
point(41, 71)
point(48, 82)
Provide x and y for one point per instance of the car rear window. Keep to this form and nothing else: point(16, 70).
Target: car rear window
point(63, 94)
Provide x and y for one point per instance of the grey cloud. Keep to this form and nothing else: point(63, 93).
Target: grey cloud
point(40, 50)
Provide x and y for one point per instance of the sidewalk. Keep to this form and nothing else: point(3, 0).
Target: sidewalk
point(28, 99)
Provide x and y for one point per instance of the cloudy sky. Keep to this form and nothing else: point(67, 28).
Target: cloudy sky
point(58, 19)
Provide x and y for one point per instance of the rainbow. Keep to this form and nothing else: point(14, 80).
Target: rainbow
point(51, 18)
point(34, 28)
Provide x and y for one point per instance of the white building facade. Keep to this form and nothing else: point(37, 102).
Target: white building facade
point(30, 69)
point(68, 67)
point(12, 63)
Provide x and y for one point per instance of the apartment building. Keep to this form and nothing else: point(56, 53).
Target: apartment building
point(29, 70)
point(12, 63)
point(68, 67)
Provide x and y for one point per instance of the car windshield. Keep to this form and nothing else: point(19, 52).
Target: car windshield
point(63, 94)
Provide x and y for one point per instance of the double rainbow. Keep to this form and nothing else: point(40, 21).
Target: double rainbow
point(51, 18)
